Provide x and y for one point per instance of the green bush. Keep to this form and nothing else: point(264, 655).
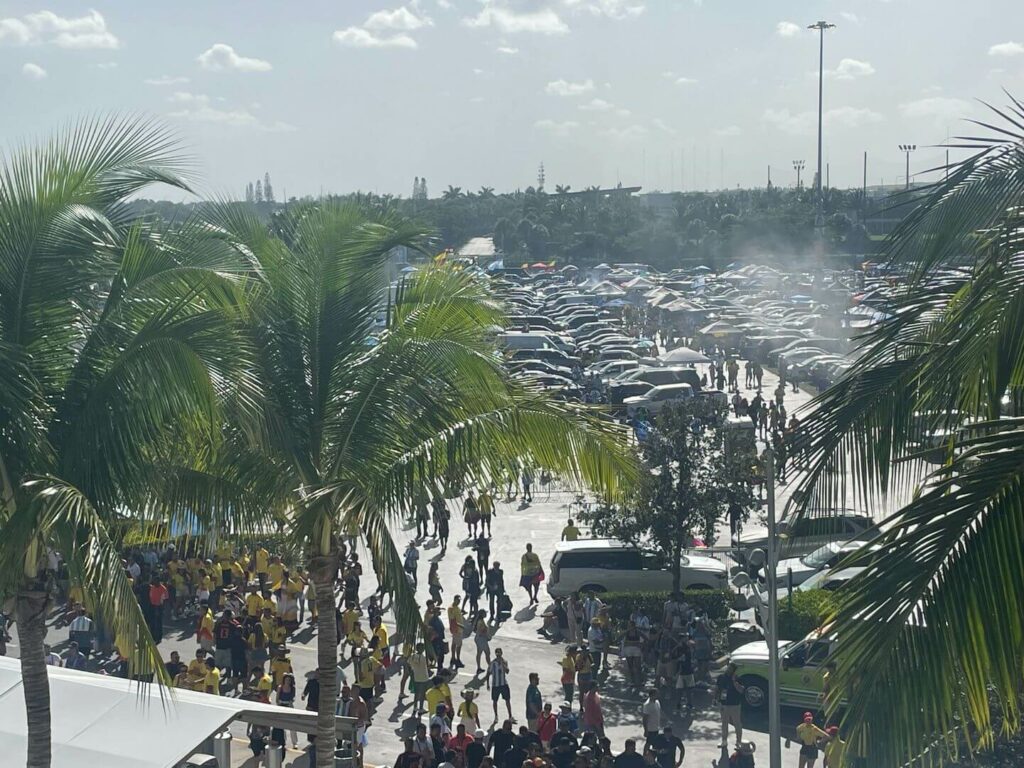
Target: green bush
point(716, 602)
point(806, 611)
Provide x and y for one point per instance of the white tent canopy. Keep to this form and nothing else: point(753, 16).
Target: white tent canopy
point(108, 722)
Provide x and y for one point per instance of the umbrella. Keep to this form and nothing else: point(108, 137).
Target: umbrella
point(409, 269)
point(718, 329)
point(540, 265)
point(702, 269)
point(684, 355)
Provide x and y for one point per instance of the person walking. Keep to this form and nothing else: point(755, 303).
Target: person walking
point(485, 503)
point(442, 518)
point(471, 584)
point(534, 702)
point(730, 699)
point(593, 715)
point(532, 573)
point(482, 639)
point(456, 628)
point(527, 480)
point(497, 683)
point(411, 560)
point(471, 515)
point(434, 583)
point(651, 714)
point(808, 734)
point(748, 369)
point(483, 552)
point(495, 586)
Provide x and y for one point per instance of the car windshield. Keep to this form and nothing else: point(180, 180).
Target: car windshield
point(820, 557)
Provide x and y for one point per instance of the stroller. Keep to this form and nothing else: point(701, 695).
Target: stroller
point(742, 757)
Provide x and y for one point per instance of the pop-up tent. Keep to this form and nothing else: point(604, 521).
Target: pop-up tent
point(109, 722)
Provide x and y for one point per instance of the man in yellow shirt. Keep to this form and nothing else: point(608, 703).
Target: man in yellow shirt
point(264, 684)
point(356, 638)
point(254, 604)
point(279, 666)
point(205, 632)
point(570, 532)
point(485, 505)
point(261, 565)
point(276, 572)
point(366, 673)
point(196, 672)
point(269, 603)
point(439, 693)
point(211, 680)
point(456, 620)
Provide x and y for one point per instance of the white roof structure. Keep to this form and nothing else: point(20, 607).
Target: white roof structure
point(109, 722)
point(478, 247)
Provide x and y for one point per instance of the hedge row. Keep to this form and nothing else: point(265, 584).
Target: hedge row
point(715, 602)
point(805, 612)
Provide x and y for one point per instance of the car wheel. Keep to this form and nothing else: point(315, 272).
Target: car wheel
point(595, 588)
point(755, 694)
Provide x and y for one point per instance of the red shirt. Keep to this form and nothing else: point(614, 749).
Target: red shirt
point(158, 594)
point(546, 726)
point(458, 743)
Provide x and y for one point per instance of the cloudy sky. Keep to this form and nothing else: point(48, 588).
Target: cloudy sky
point(365, 94)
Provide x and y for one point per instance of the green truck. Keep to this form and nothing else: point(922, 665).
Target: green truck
point(801, 677)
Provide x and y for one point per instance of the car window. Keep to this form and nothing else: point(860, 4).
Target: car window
point(817, 653)
point(622, 560)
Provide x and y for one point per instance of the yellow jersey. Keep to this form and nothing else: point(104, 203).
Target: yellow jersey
point(211, 681)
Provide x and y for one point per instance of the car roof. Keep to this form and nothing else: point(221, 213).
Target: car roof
point(582, 545)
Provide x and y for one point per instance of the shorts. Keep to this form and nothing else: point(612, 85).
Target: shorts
point(420, 688)
point(526, 581)
point(258, 746)
point(631, 651)
point(809, 750)
point(482, 643)
point(500, 692)
point(222, 658)
point(686, 681)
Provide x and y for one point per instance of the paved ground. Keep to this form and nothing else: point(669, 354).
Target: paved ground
point(525, 650)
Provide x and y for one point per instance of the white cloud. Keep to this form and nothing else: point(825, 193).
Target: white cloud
point(622, 112)
point(567, 88)
point(165, 80)
point(444, 4)
point(936, 107)
point(629, 133)
point(196, 107)
point(685, 81)
point(221, 57)
point(787, 29)
point(806, 123)
point(613, 9)
point(661, 125)
point(357, 37)
point(850, 17)
point(1006, 49)
point(849, 69)
point(107, 65)
point(542, 22)
point(555, 128)
point(402, 19)
point(508, 51)
point(597, 105)
point(33, 71)
point(89, 31)
point(729, 130)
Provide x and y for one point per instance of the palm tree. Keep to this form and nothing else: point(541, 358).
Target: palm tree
point(452, 193)
point(108, 334)
point(486, 193)
point(931, 653)
point(562, 189)
point(350, 431)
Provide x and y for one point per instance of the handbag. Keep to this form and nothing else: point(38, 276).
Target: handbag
point(539, 577)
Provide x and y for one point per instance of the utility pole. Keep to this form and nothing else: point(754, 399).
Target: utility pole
point(772, 623)
point(798, 166)
point(769, 177)
point(907, 149)
point(821, 26)
point(865, 183)
point(828, 175)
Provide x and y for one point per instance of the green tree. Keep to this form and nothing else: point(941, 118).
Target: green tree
point(686, 488)
point(108, 334)
point(349, 434)
point(931, 656)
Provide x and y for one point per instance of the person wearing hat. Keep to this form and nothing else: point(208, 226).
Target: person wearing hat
point(469, 712)
point(835, 750)
point(566, 717)
point(476, 750)
point(808, 734)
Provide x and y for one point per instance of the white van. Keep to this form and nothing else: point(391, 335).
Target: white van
point(608, 565)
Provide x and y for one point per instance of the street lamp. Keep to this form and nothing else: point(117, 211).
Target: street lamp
point(821, 26)
point(907, 149)
point(798, 166)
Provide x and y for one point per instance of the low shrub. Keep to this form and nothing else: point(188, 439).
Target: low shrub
point(806, 611)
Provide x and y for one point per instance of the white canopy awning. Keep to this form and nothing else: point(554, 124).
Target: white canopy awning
point(109, 722)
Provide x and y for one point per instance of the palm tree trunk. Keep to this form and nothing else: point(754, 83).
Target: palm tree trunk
point(30, 614)
point(322, 570)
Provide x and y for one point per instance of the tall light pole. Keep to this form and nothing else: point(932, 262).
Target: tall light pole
point(907, 149)
point(798, 166)
point(821, 26)
point(772, 624)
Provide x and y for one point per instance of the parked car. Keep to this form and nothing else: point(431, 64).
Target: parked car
point(811, 532)
point(608, 565)
point(801, 676)
point(657, 398)
point(794, 571)
point(673, 374)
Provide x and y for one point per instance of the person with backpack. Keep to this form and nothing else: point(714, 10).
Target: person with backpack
point(411, 560)
point(495, 586)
